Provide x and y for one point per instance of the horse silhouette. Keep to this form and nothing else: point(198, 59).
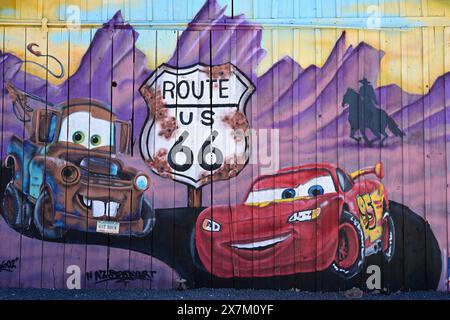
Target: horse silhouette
point(363, 115)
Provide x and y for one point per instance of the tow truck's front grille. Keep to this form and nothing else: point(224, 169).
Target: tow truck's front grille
point(107, 181)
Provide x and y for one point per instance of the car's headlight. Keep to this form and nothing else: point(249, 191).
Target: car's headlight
point(141, 182)
point(306, 215)
point(211, 225)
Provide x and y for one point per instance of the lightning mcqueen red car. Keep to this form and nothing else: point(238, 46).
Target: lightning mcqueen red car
point(301, 219)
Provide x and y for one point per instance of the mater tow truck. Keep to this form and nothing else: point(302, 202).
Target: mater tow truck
point(66, 174)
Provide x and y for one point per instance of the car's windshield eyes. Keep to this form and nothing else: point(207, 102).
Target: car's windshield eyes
point(315, 187)
point(82, 129)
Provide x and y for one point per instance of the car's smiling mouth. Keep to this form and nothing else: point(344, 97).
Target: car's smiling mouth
point(260, 245)
point(100, 208)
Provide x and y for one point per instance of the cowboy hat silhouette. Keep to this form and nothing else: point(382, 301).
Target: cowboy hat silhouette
point(364, 81)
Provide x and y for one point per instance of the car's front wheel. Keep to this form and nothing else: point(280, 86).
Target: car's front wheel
point(388, 237)
point(43, 217)
point(12, 206)
point(349, 258)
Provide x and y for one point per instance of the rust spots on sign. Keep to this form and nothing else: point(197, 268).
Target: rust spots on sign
point(159, 111)
point(160, 164)
point(229, 169)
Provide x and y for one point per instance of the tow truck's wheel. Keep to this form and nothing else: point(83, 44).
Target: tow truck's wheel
point(349, 258)
point(388, 237)
point(43, 217)
point(12, 206)
point(148, 216)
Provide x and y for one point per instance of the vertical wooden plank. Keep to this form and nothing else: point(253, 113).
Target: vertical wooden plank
point(329, 8)
point(349, 159)
point(275, 119)
point(247, 8)
point(113, 6)
point(162, 37)
point(387, 160)
point(50, 10)
point(287, 42)
point(404, 156)
point(122, 95)
point(349, 8)
point(53, 253)
point(308, 147)
point(76, 255)
point(235, 188)
point(94, 10)
point(318, 145)
point(161, 10)
point(149, 11)
point(308, 9)
point(139, 10)
point(96, 255)
point(415, 196)
point(140, 261)
point(262, 9)
point(8, 9)
point(447, 149)
point(10, 239)
point(414, 8)
point(296, 52)
point(32, 249)
point(377, 156)
point(361, 159)
point(434, 8)
point(342, 132)
point(27, 10)
point(332, 136)
point(435, 150)
point(428, 47)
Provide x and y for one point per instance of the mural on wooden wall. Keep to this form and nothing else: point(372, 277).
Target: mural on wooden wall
point(156, 178)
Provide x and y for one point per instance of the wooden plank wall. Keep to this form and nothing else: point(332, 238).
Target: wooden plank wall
point(298, 37)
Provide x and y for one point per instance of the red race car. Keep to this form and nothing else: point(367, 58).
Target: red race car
point(301, 219)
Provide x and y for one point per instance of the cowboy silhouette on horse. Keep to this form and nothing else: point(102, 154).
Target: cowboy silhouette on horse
point(364, 114)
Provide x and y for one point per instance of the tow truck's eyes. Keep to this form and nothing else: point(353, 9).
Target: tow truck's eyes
point(84, 130)
point(78, 137)
point(96, 140)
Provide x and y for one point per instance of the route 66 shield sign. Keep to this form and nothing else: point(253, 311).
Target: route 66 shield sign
point(197, 130)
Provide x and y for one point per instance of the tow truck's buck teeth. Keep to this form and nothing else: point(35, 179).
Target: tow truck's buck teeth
point(101, 208)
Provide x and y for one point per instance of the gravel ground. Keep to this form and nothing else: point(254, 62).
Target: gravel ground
point(209, 294)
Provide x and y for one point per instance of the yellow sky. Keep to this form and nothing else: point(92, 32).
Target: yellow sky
point(413, 59)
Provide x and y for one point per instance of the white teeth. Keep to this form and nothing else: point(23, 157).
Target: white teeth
point(87, 201)
point(111, 208)
point(101, 208)
point(98, 208)
point(258, 244)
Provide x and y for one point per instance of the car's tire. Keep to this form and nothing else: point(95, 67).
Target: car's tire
point(43, 217)
point(12, 206)
point(148, 216)
point(388, 239)
point(350, 254)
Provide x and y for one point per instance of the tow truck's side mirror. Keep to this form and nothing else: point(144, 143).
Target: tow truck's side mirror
point(123, 130)
point(46, 125)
